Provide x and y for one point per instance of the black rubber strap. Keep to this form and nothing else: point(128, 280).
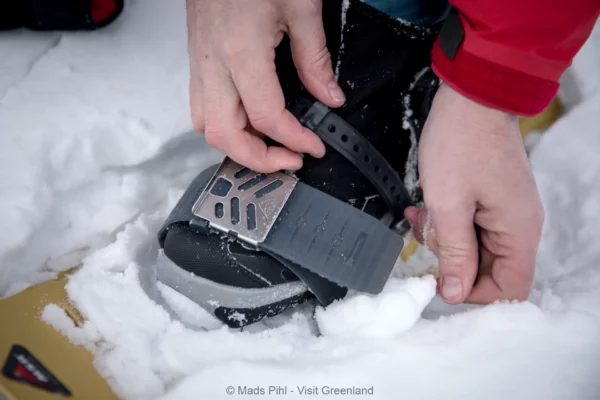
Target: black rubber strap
point(329, 244)
point(340, 135)
point(182, 212)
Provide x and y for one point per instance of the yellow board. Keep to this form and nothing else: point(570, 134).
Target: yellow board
point(543, 120)
point(72, 365)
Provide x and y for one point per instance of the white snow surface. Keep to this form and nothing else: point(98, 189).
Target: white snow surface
point(96, 146)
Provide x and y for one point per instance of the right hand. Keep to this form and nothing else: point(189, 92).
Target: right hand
point(235, 95)
point(475, 174)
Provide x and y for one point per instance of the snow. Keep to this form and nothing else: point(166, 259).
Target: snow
point(85, 335)
point(345, 5)
point(83, 133)
point(583, 80)
point(96, 147)
point(367, 316)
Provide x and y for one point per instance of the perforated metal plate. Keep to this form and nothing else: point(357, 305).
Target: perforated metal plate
point(243, 201)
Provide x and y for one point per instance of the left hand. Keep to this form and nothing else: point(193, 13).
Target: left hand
point(475, 173)
point(235, 95)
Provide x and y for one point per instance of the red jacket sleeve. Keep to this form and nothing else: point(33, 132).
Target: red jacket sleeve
point(512, 53)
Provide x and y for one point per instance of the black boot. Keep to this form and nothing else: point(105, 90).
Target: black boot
point(370, 164)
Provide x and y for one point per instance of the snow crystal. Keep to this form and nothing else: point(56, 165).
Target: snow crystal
point(411, 181)
point(345, 6)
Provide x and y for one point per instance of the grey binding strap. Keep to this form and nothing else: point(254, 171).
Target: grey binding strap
point(350, 143)
point(324, 290)
point(338, 245)
point(333, 240)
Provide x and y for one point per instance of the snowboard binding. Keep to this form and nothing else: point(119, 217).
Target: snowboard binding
point(246, 245)
point(329, 245)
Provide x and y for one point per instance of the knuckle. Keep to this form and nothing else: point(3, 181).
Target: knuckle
point(233, 45)
point(260, 163)
point(452, 253)
point(321, 60)
point(197, 114)
point(261, 120)
point(312, 8)
point(198, 122)
point(303, 9)
point(318, 62)
point(442, 201)
point(265, 167)
point(456, 259)
point(215, 137)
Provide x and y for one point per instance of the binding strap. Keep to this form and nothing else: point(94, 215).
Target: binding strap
point(357, 149)
point(328, 243)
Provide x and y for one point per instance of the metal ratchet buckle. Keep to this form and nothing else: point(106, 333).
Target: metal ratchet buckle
point(242, 203)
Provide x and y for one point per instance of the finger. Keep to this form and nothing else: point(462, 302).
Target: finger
point(412, 215)
point(250, 129)
point(312, 58)
point(422, 227)
point(457, 251)
point(195, 53)
point(486, 261)
point(262, 97)
point(225, 120)
point(502, 278)
point(196, 101)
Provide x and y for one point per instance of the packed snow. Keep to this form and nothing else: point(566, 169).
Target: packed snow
point(97, 146)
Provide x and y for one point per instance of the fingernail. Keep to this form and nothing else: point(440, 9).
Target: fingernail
point(412, 215)
point(319, 154)
point(335, 91)
point(451, 288)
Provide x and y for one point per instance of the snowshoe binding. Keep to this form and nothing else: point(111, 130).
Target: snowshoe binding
point(246, 245)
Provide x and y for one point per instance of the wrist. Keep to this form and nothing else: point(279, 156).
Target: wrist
point(477, 115)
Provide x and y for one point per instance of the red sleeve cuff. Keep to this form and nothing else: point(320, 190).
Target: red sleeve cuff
point(492, 84)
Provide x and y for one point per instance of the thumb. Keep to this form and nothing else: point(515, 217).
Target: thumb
point(457, 251)
point(313, 60)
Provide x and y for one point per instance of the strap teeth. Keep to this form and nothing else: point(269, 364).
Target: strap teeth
point(357, 149)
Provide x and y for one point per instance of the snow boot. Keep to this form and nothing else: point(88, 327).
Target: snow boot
point(246, 245)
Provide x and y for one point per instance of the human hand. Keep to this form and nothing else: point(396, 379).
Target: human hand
point(235, 95)
point(474, 172)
